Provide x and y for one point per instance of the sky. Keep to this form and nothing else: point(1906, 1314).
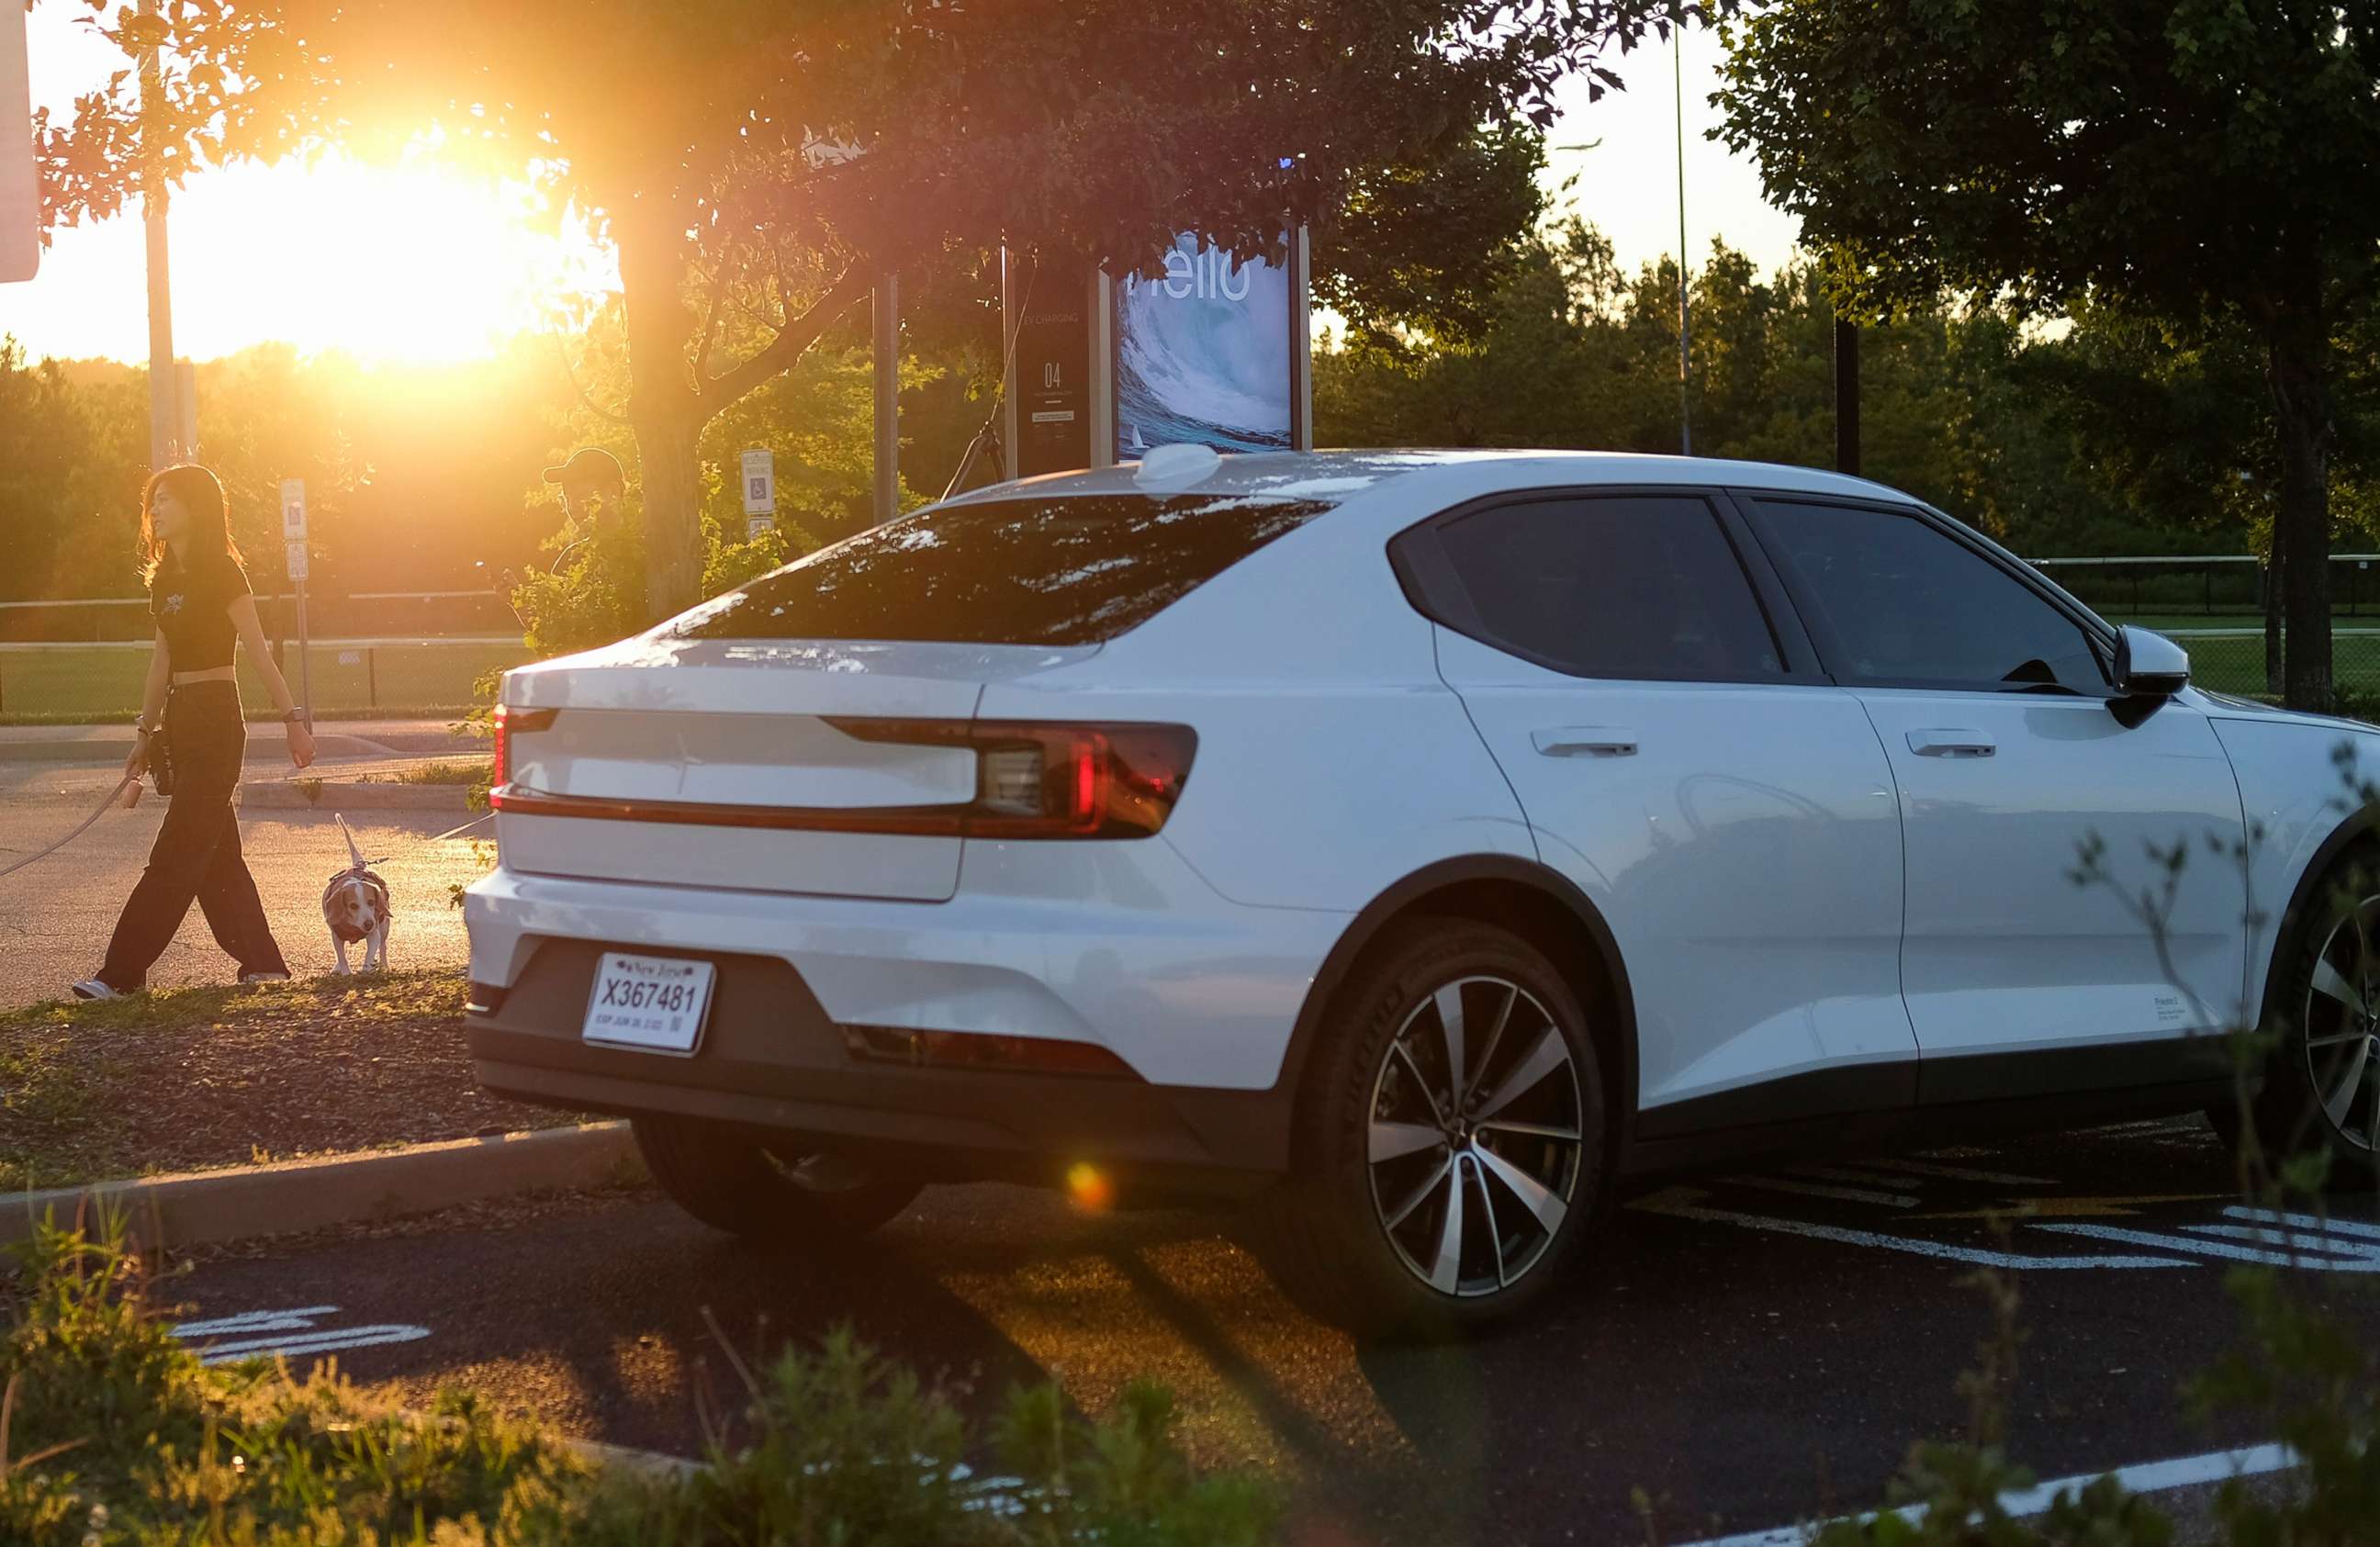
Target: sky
point(412, 263)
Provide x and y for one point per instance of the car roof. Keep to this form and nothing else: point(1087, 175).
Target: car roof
point(1338, 476)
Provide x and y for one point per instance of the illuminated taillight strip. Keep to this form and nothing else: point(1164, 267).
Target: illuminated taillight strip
point(1099, 781)
point(945, 821)
point(512, 720)
point(1105, 779)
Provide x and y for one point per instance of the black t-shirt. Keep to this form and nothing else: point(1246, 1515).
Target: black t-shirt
point(193, 610)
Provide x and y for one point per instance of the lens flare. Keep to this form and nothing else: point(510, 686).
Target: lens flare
point(1089, 1187)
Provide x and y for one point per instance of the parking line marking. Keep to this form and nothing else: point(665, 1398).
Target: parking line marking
point(2293, 1240)
point(2149, 1477)
point(2304, 1221)
point(1685, 1202)
point(2212, 1248)
point(2085, 1208)
point(1967, 1173)
point(1820, 1189)
point(299, 1320)
point(326, 1342)
point(1858, 1175)
point(285, 1335)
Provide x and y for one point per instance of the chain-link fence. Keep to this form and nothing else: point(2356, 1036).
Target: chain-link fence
point(475, 614)
point(83, 659)
point(101, 682)
point(393, 653)
point(2217, 607)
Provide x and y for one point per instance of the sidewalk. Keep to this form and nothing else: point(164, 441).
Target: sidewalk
point(358, 764)
point(268, 740)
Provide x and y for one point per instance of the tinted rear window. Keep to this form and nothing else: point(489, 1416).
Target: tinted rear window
point(1060, 570)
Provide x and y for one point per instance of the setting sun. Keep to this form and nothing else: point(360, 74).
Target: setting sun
point(411, 263)
point(406, 264)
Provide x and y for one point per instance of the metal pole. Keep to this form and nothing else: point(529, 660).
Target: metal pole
point(887, 308)
point(1685, 357)
point(304, 657)
point(1847, 397)
point(164, 413)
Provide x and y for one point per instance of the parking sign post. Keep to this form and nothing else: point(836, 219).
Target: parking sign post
point(293, 545)
point(759, 492)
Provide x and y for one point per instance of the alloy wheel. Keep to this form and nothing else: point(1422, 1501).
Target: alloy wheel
point(2342, 1026)
point(1475, 1144)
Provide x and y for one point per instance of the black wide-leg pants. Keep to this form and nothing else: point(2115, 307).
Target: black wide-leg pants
point(197, 857)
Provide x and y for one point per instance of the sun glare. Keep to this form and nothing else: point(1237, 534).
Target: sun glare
point(410, 264)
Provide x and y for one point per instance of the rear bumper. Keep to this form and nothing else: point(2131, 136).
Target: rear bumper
point(1197, 997)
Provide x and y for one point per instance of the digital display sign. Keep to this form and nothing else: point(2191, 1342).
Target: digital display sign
point(1205, 354)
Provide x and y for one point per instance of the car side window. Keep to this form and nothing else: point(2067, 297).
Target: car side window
point(1899, 601)
point(1622, 586)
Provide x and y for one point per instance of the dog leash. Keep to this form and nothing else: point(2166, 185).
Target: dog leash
point(83, 827)
point(101, 810)
point(435, 838)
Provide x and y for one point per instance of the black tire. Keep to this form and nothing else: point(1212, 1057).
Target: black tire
point(736, 1183)
point(2323, 1043)
point(1346, 1235)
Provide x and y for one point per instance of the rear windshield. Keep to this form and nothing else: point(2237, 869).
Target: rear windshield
point(1058, 570)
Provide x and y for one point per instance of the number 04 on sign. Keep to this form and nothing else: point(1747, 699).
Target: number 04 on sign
point(655, 1003)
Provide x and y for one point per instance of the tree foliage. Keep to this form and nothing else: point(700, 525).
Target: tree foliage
point(2195, 162)
point(777, 157)
point(2104, 435)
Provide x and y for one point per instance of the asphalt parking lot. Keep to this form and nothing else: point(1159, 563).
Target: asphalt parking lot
point(56, 914)
point(1746, 1351)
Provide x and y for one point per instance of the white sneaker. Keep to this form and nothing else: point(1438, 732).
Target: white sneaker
point(264, 977)
point(91, 988)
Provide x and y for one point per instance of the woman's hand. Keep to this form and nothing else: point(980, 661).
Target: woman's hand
point(135, 763)
point(301, 744)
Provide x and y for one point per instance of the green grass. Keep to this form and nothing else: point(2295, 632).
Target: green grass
point(80, 684)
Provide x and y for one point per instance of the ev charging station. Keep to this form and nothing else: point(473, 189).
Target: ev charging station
point(1214, 352)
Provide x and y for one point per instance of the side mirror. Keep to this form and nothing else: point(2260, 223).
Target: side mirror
point(2149, 665)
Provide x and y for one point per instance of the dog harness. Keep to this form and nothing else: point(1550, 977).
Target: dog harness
point(373, 884)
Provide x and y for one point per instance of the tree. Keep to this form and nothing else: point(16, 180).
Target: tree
point(2191, 161)
point(773, 158)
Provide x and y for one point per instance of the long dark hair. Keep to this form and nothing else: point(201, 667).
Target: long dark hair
point(201, 494)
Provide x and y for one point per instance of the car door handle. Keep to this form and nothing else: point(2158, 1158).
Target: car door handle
point(1952, 743)
point(1584, 741)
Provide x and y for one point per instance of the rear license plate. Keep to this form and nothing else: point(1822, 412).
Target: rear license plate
point(653, 1002)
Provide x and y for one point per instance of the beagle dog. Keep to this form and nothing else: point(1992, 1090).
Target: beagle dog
point(355, 904)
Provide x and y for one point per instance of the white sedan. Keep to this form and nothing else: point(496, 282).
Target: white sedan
point(1427, 842)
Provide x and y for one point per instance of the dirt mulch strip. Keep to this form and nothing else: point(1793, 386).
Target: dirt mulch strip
point(190, 1079)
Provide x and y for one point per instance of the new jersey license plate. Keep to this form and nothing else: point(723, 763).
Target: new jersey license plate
point(653, 1002)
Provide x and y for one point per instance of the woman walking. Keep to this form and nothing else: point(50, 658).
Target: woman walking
point(199, 595)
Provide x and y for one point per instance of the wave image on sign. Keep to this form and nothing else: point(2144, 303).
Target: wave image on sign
point(1202, 355)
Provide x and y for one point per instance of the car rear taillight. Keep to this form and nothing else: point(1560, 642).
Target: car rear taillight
point(1038, 780)
point(512, 720)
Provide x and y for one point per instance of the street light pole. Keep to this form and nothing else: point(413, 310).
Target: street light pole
point(165, 407)
point(887, 363)
point(1685, 357)
point(1847, 397)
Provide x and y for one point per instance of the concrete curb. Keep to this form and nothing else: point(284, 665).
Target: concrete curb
point(196, 1207)
point(291, 794)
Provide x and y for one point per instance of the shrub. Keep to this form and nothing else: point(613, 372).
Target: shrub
point(111, 1432)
